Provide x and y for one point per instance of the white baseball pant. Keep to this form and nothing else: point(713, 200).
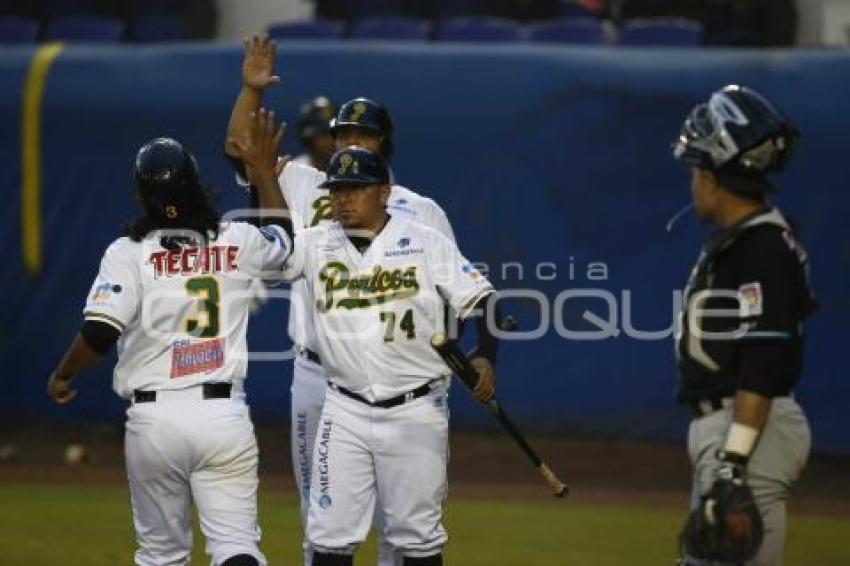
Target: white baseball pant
point(309, 382)
point(182, 449)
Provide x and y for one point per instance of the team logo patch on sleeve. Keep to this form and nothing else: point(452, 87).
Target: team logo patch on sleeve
point(751, 300)
point(470, 271)
point(403, 205)
point(270, 234)
point(103, 292)
point(188, 358)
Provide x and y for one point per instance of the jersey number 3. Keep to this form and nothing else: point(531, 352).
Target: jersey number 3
point(406, 325)
point(206, 290)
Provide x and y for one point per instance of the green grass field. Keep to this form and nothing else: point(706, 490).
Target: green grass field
point(43, 525)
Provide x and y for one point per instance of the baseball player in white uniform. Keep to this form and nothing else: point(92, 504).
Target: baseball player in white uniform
point(379, 282)
point(313, 125)
point(177, 305)
point(360, 121)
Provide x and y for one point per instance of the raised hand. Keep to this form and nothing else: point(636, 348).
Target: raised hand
point(260, 151)
point(258, 64)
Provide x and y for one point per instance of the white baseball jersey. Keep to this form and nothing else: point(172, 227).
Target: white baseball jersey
point(376, 311)
point(303, 159)
point(310, 206)
point(182, 313)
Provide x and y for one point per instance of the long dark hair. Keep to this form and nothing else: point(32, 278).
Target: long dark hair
point(198, 213)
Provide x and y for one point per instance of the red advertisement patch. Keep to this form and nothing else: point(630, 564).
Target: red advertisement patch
point(188, 358)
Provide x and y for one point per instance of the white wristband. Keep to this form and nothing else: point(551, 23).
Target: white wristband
point(741, 439)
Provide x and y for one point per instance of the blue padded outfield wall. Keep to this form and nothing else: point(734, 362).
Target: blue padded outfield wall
point(538, 154)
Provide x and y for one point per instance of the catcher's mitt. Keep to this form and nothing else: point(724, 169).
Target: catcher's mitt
point(726, 527)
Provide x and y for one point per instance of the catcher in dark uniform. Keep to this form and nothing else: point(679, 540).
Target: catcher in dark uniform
point(740, 340)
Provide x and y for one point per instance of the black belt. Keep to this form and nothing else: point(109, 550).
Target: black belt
point(312, 356)
point(703, 407)
point(420, 391)
point(216, 390)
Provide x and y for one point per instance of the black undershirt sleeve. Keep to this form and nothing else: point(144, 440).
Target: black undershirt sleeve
point(768, 353)
point(100, 336)
point(488, 343)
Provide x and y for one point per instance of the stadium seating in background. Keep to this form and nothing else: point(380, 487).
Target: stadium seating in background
point(15, 30)
point(197, 19)
point(157, 28)
point(391, 28)
point(579, 31)
point(573, 9)
point(363, 9)
point(153, 7)
point(661, 32)
point(470, 8)
point(317, 29)
point(84, 29)
point(63, 8)
point(478, 29)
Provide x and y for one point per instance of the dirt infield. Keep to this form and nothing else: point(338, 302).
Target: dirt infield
point(484, 465)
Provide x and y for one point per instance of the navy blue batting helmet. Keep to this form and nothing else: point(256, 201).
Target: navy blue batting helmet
point(314, 117)
point(356, 166)
point(364, 113)
point(166, 178)
point(737, 131)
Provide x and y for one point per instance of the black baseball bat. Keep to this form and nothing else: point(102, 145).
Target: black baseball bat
point(459, 364)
